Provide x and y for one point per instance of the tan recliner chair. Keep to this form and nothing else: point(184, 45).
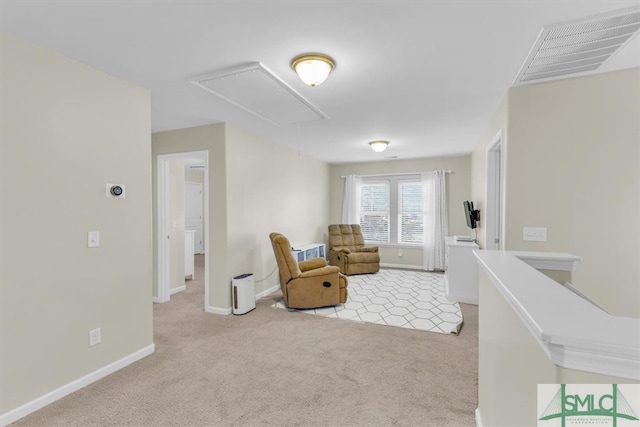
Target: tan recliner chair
point(309, 284)
point(348, 251)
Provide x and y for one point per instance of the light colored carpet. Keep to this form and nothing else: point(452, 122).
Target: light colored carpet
point(404, 298)
point(278, 368)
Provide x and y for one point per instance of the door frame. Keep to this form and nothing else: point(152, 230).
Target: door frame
point(494, 209)
point(163, 225)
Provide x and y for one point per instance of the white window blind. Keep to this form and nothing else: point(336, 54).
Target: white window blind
point(374, 211)
point(392, 210)
point(411, 212)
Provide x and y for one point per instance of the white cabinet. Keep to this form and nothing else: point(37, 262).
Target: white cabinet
point(309, 251)
point(189, 259)
point(461, 271)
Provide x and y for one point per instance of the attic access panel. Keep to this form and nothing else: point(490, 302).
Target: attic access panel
point(255, 89)
point(578, 46)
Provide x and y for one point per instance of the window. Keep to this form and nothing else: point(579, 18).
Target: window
point(374, 211)
point(410, 212)
point(392, 210)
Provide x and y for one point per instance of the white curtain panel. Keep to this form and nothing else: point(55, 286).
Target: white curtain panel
point(436, 225)
point(351, 199)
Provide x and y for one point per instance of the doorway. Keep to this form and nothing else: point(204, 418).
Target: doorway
point(494, 193)
point(166, 224)
point(193, 213)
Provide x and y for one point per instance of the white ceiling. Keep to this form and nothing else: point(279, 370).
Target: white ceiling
point(426, 75)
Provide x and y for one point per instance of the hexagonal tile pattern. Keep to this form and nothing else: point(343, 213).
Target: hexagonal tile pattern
point(379, 300)
point(401, 298)
point(398, 311)
point(395, 320)
point(347, 314)
point(370, 317)
point(402, 303)
point(449, 317)
point(375, 308)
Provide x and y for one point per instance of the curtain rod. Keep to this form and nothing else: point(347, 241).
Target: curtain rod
point(394, 174)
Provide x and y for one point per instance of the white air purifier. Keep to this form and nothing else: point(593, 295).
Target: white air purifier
point(243, 291)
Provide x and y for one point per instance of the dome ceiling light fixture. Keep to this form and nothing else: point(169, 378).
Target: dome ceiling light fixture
point(379, 146)
point(313, 68)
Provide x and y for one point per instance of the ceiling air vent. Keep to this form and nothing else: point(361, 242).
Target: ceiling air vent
point(255, 89)
point(578, 46)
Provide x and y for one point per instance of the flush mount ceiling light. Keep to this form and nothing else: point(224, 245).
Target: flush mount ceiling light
point(313, 68)
point(378, 146)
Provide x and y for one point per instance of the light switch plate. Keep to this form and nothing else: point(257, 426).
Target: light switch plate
point(93, 239)
point(534, 234)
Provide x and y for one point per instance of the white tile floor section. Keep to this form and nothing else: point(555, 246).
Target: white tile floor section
point(408, 299)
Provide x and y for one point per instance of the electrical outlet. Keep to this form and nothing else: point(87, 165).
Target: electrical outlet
point(534, 234)
point(94, 337)
point(399, 252)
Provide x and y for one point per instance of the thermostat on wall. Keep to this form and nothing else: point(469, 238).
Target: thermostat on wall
point(115, 191)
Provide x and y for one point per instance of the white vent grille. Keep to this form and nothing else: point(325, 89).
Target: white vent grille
point(255, 89)
point(578, 46)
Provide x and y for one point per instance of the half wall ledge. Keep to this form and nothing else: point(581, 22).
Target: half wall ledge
point(573, 332)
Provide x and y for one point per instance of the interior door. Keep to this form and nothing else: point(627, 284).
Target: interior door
point(194, 213)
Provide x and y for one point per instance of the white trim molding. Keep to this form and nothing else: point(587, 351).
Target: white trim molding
point(218, 310)
point(463, 299)
point(402, 266)
point(549, 261)
point(268, 291)
point(478, 418)
point(224, 311)
point(494, 192)
point(162, 231)
point(573, 332)
point(178, 289)
point(57, 394)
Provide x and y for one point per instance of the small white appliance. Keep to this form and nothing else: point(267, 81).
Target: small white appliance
point(243, 290)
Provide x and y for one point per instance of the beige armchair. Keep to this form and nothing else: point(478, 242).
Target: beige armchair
point(309, 284)
point(348, 251)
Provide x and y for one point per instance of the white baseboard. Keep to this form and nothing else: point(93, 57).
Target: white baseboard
point(218, 310)
point(155, 300)
point(42, 401)
point(478, 418)
point(228, 310)
point(267, 291)
point(178, 289)
point(404, 266)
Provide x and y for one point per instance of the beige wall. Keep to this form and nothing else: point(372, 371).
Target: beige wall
point(192, 176)
point(256, 187)
point(573, 167)
point(208, 138)
point(176, 218)
point(67, 130)
point(271, 188)
point(458, 189)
